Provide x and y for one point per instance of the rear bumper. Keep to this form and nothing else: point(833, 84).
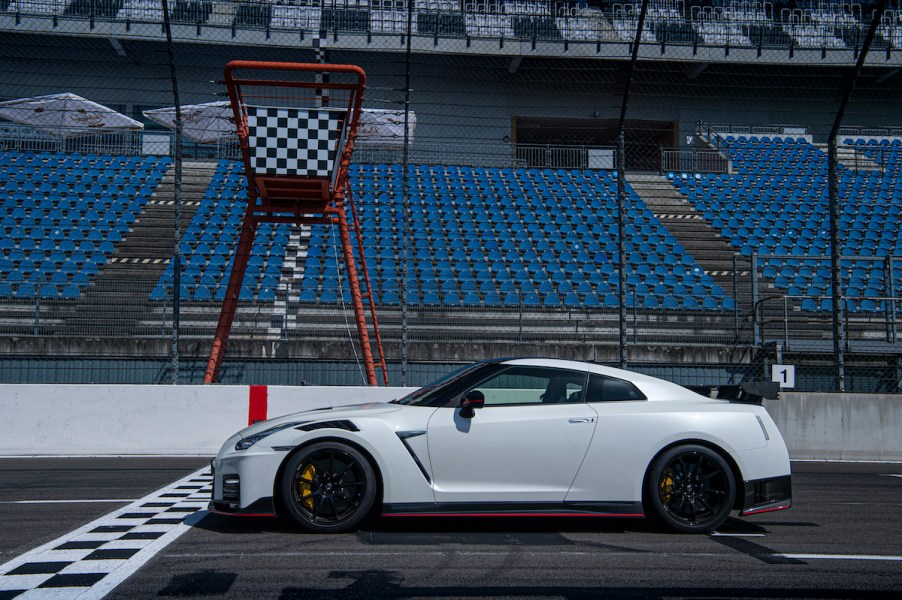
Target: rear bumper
point(766, 495)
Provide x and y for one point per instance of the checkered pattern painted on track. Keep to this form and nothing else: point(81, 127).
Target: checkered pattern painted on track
point(92, 560)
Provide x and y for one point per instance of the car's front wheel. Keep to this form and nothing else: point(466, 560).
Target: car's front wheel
point(328, 487)
point(691, 489)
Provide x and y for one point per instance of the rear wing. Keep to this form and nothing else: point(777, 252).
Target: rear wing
point(748, 392)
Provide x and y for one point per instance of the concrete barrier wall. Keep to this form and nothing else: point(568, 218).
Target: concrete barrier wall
point(151, 419)
point(840, 426)
point(196, 420)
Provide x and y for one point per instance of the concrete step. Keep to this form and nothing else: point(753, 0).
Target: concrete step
point(711, 251)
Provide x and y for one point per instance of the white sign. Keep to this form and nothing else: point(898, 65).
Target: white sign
point(600, 158)
point(785, 375)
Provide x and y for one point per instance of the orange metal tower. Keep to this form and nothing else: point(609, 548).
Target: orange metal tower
point(296, 127)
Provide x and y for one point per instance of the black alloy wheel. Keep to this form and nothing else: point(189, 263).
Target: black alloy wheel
point(328, 487)
point(691, 489)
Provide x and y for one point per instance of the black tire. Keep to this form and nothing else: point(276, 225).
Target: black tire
point(328, 487)
point(690, 489)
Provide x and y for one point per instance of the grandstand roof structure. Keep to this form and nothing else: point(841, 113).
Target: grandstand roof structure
point(733, 31)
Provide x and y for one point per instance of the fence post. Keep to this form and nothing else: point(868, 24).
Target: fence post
point(736, 296)
point(37, 313)
point(889, 305)
point(519, 318)
point(756, 322)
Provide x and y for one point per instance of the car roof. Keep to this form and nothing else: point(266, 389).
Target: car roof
point(653, 387)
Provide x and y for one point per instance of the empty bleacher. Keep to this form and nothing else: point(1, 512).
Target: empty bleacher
point(537, 237)
point(732, 23)
point(775, 205)
point(209, 241)
point(478, 237)
point(63, 215)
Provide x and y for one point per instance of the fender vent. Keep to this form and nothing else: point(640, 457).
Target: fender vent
point(343, 424)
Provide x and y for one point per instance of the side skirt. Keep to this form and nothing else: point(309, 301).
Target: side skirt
point(530, 509)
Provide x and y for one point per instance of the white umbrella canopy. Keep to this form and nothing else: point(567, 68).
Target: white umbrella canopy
point(66, 115)
point(209, 122)
point(385, 127)
point(203, 123)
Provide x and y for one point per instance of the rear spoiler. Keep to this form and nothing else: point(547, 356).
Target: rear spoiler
point(749, 392)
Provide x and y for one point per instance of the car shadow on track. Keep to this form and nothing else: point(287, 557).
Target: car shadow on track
point(471, 530)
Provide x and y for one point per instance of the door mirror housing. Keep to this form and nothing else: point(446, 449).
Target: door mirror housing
point(472, 400)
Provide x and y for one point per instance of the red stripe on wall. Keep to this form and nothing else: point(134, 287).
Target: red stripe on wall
point(257, 404)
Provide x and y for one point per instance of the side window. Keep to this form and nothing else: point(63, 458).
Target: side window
point(609, 389)
point(532, 385)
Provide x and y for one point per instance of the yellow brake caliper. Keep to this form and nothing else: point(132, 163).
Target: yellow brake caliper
point(307, 476)
point(666, 487)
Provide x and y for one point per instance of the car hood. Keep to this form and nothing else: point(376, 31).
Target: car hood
point(322, 414)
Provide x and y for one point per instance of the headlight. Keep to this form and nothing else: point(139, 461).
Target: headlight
point(250, 440)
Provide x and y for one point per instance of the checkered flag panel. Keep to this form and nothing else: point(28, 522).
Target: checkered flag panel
point(293, 141)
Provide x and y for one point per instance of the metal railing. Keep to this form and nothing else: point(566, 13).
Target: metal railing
point(715, 134)
point(118, 320)
point(24, 139)
point(104, 320)
point(694, 161)
point(890, 133)
point(115, 312)
point(802, 318)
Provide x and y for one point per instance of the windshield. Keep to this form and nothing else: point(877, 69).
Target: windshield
point(435, 393)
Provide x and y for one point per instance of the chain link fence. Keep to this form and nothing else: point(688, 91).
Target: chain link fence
point(495, 229)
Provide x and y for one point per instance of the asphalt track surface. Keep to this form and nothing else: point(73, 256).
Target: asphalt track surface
point(842, 539)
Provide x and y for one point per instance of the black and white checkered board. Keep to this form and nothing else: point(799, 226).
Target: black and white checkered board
point(92, 560)
point(293, 141)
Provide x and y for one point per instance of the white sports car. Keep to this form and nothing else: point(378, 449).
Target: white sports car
point(519, 437)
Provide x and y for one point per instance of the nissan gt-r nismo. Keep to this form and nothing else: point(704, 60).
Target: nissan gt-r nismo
point(521, 437)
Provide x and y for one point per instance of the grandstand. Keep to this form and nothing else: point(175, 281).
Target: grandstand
point(507, 206)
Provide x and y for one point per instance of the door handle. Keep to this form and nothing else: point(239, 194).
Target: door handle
point(583, 420)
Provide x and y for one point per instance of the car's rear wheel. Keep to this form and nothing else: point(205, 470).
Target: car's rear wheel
point(328, 487)
point(691, 489)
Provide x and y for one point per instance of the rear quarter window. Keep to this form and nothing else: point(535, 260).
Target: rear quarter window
point(610, 389)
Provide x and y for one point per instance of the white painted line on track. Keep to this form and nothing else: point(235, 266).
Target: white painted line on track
point(101, 501)
point(92, 560)
point(876, 557)
point(444, 553)
point(21, 456)
point(737, 535)
point(893, 475)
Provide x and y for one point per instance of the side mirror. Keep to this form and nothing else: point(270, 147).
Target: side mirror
point(472, 400)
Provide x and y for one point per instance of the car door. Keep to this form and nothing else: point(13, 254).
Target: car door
point(524, 445)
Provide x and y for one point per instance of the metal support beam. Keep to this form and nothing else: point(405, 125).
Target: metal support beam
point(233, 292)
point(621, 186)
point(839, 330)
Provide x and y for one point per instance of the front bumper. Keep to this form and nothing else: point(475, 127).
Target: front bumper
point(766, 495)
point(263, 507)
point(243, 482)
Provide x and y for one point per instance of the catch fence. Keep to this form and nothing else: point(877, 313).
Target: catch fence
point(614, 154)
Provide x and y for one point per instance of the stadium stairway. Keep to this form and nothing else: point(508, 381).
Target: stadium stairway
point(850, 159)
point(711, 251)
point(120, 293)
